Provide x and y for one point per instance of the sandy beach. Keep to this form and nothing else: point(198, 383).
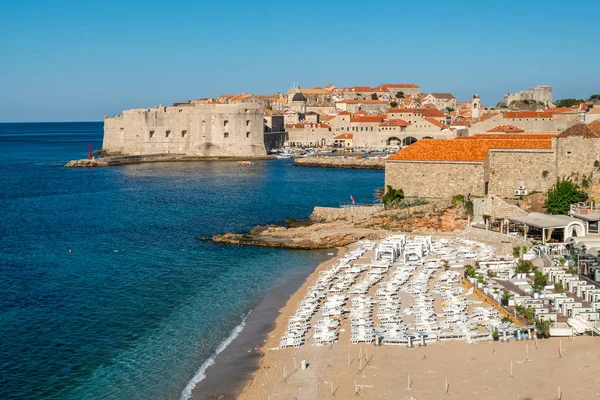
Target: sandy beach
point(241, 358)
point(480, 370)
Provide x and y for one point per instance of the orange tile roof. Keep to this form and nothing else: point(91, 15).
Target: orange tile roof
point(595, 126)
point(362, 101)
point(315, 91)
point(488, 115)
point(436, 123)
point(506, 128)
point(446, 96)
point(559, 110)
point(580, 130)
point(344, 113)
point(425, 112)
point(309, 125)
point(399, 85)
point(360, 89)
point(239, 97)
point(345, 136)
point(509, 136)
point(463, 150)
point(527, 114)
point(367, 119)
point(395, 122)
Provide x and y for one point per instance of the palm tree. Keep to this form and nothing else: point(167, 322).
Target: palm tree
point(378, 193)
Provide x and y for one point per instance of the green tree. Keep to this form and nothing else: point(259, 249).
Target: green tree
point(400, 95)
point(450, 109)
point(558, 287)
point(594, 98)
point(393, 104)
point(393, 197)
point(564, 193)
point(527, 313)
point(471, 271)
point(524, 267)
point(542, 326)
point(516, 252)
point(505, 297)
point(568, 102)
point(374, 96)
point(539, 281)
point(378, 193)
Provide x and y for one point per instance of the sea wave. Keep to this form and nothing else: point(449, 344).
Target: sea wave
point(186, 394)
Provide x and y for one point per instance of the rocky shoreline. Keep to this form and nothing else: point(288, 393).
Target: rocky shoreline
point(341, 162)
point(339, 227)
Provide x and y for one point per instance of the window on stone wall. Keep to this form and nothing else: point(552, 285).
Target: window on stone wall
point(569, 153)
point(225, 123)
point(151, 134)
point(226, 135)
point(247, 134)
point(247, 122)
point(167, 133)
point(183, 133)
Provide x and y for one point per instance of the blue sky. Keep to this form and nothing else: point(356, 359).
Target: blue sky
point(76, 60)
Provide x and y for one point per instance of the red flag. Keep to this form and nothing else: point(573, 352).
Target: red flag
point(352, 200)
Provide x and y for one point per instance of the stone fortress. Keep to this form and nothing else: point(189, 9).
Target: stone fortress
point(197, 128)
point(541, 94)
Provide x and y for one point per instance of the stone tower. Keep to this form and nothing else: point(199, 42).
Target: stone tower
point(476, 110)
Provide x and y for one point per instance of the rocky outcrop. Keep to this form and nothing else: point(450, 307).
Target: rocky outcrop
point(341, 162)
point(329, 228)
point(87, 163)
point(434, 217)
point(292, 241)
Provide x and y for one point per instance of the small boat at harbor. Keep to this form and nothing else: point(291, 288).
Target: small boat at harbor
point(245, 163)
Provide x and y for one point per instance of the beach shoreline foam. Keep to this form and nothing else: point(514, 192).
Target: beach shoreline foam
point(238, 357)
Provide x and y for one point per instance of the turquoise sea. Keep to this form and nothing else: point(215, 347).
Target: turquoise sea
point(139, 304)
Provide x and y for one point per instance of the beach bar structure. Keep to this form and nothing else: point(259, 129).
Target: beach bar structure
point(545, 225)
point(588, 255)
point(589, 213)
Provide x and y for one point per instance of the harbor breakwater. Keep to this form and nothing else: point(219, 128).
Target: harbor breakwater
point(341, 162)
point(110, 161)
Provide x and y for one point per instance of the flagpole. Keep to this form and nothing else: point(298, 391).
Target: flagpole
point(352, 208)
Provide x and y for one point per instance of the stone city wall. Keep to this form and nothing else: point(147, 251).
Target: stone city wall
point(507, 170)
point(356, 213)
point(495, 207)
point(576, 155)
point(190, 129)
point(435, 179)
point(531, 125)
point(341, 162)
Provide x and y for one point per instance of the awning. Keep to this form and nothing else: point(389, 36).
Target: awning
point(544, 221)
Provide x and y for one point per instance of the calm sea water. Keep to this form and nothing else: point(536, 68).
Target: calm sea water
point(140, 303)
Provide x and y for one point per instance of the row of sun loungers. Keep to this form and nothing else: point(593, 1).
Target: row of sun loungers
point(366, 294)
